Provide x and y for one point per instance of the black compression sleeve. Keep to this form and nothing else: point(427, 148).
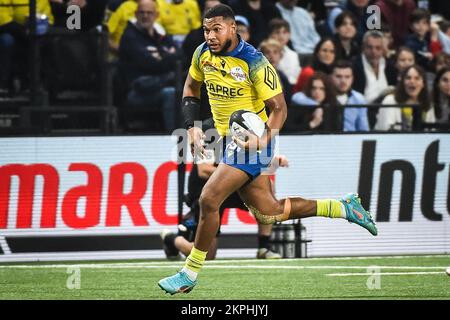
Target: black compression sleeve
point(191, 111)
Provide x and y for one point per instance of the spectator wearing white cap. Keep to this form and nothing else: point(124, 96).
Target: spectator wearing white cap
point(243, 28)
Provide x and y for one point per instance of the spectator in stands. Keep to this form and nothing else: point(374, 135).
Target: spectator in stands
point(148, 60)
point(289, 64)
point(359, 10)
point(111, 7)
point(304, 35)
point(410, 90)
point(179, 17)
point(441, 61)
point(347, 47)
point(443, 34)
point(118, 21)
point(405, 58)
point(441, 97)
point(323, 58)
point(258, 13)
point(14, 40)
point(355, 119)
point(373, 73)
point(273, 50)
point(317, 95)
point(92, 12)
point(439, 7)
point(243, 28)
point(389, 49)
point(7, 43)
point(21, 10)
point(317, 9)
point(420, 40)
point(396, 14)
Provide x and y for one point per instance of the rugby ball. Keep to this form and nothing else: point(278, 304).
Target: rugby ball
point(242, 121)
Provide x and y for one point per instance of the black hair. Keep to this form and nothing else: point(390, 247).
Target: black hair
point(400, 93)
point(316, 63)
point(437, 93)
point(445, 25)
point(340, 19)
point(221, 10)
point(278, 23)
point(420, 14)
point(342, 64)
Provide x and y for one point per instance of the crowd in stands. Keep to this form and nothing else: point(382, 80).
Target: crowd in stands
point(392, 70)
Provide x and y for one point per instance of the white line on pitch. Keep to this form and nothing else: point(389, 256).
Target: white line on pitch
point(385, 274)
point(152, 266)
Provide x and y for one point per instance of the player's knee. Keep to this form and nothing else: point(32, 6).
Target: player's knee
point(208, 204)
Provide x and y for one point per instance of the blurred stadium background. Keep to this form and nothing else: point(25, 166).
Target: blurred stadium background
point(89, 169)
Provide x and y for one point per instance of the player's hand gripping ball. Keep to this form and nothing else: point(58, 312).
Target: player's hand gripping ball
point(243, 123)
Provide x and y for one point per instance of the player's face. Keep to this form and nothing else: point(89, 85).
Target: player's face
point(342, 79)
point(219, 33)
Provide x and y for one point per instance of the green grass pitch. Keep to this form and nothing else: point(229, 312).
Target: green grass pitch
point(407, 277)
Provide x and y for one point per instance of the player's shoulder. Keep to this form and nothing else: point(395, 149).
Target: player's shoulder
point(201, 49)
point(253, 57)
point(250, 54)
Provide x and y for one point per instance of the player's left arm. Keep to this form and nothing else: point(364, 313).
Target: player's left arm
point(268, 87)
point(278, 114)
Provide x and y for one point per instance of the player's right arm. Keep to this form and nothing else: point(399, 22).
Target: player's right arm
point(191, 111)
point(191, 103)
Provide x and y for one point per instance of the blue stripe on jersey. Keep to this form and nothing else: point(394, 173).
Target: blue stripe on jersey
point(254, 58)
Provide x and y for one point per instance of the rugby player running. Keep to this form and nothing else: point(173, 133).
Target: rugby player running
point(237, 76)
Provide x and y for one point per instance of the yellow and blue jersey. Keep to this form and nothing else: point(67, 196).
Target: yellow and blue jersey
point(237, 80)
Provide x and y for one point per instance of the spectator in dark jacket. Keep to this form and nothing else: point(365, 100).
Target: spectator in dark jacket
point(359, 10)
point(92, 12)
point(419, 40)
point(258, 13)
point(347, 47)
point(396, 14)
point(148, 60)
point(373, 73)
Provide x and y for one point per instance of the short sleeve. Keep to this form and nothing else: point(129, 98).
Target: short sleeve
point(194, 70)
point(265, 79)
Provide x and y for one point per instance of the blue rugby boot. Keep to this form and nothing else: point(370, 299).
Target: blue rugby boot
point(179, 283)
point(357, 214)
